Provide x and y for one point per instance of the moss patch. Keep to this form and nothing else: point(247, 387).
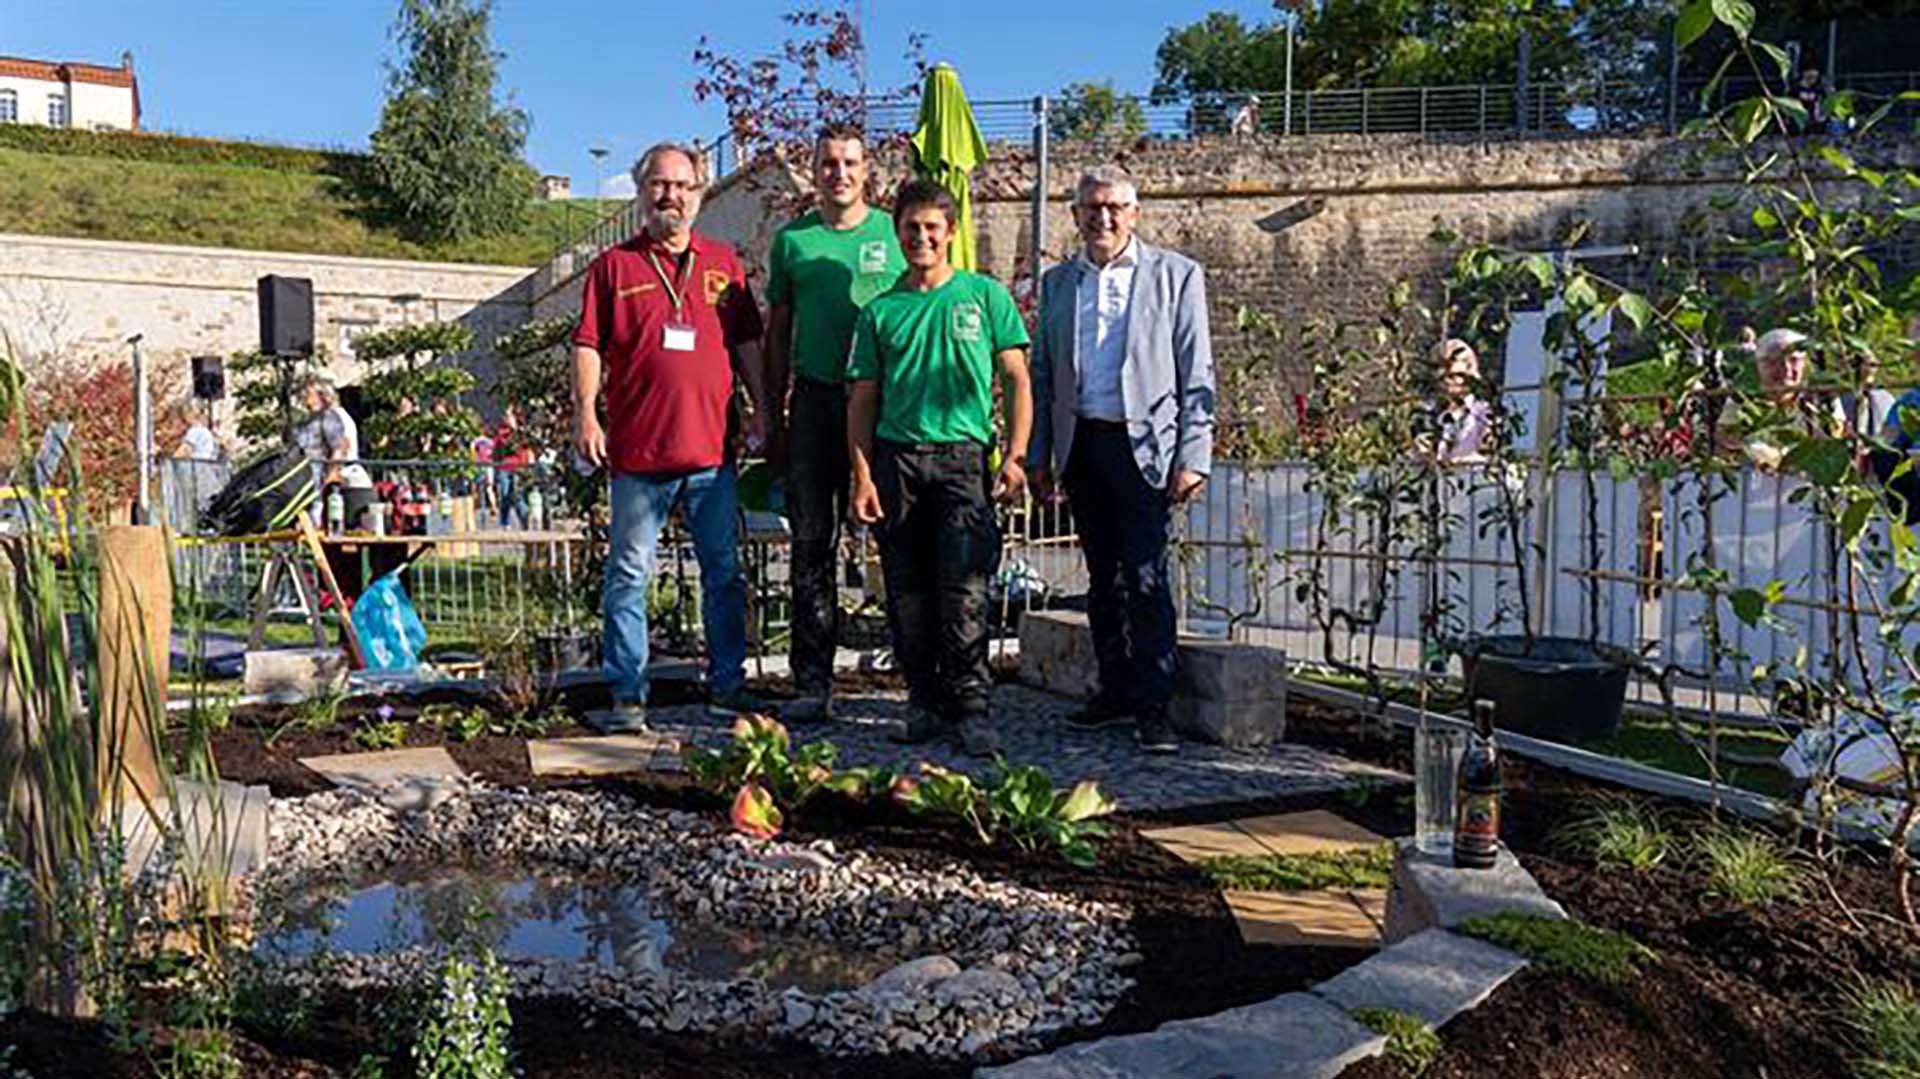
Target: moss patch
point(1411, 1043)
point(1563, 945)
point(1368, 868)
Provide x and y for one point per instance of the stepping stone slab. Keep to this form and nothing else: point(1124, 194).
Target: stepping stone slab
point(1313, 832)
point(1195, 843)
point(1427, 892)
point(1374, 904)
point(1324, 919)
point(386, 767)
point(1296, 1036)
point(224, 826)
point(606, 755)
point(1435, 975)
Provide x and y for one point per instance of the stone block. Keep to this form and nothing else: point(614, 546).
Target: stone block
point(1428, 892)
point(1231, 723)
point(1435, 975)
point(1056, 653)
point(1231, 671)
point(296, 673)
point(1296, 1036)
point(611, 754)
point(385, 768)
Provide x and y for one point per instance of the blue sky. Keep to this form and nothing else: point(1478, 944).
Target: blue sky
point(616, 74)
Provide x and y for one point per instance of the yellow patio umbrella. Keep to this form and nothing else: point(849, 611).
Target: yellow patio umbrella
point(946, 147)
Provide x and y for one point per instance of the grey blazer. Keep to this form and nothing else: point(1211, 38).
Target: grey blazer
point(1166, 380)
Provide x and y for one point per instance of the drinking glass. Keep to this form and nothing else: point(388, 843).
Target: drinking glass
point(1437, 748)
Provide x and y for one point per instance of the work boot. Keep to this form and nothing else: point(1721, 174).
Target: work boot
point(977, 736)
point(625, 717)
point(727, 703)
point(922, 725)
point(808, 708)
point(1100, 713)
point(1156, 734)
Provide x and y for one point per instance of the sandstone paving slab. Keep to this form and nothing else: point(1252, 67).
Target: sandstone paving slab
point(223, 827)
point(385, 767)
point(1329, 919)
point(1373, 902)
point(1296, 1036)
point(1316, 831)
point(1435, 975)
point(611, 754)
point(1031, 727)
point(1195, 843)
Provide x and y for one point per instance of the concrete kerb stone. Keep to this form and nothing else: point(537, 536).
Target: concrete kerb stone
point(292, 674)
point(1435, 975)
point(1427, 893)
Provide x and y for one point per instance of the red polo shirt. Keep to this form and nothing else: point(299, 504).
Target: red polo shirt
point(666, 406)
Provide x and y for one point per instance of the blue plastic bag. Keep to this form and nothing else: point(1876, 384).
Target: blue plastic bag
point(389, 630)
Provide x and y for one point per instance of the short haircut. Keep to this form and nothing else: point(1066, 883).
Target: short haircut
point(1101, 176)
point(840, 131)
point(1778, 344)
point(643, 166)
point(920, 194)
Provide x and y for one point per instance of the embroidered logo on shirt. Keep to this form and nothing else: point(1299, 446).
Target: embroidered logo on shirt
point(873, 256)
point(715, 282)
point(967, 321)
point(635, 290)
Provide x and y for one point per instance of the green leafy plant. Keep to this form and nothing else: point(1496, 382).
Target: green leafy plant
point(418, 388)
point(317, 713)
point(202, 1015)
point(381, 734)
point(766, 776)
point(467, 1028)
point(1564, 945)
point(1884, 1016)
point(460, 723)
point(1018, 802)
point(1748, 867)
point(1305, 872)
point(1411, 1043)
point(1621, 833)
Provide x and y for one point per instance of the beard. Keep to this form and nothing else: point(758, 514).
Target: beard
point(663, 221)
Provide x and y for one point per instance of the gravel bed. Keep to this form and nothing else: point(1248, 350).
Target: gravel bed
point(991, 964)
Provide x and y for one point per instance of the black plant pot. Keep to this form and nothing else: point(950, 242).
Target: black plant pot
point(1562, 689)
point(566, 651)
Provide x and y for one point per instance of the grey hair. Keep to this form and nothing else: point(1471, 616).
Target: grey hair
point(1101, 176)
point(1780, 342)
point(643, 165)
point(323, 382)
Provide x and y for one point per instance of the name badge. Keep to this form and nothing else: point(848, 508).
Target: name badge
point(677, 337)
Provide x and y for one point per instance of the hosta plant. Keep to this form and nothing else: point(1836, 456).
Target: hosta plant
point(767, 778)
point(1018, 802)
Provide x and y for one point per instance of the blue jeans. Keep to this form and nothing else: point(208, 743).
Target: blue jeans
point(641, 504)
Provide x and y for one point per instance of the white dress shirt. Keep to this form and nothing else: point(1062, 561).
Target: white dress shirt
point(1105, 304)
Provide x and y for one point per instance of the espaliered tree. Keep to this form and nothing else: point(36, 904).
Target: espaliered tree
point(416, 394)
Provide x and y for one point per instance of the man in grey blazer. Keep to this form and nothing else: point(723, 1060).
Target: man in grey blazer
point(1123, 417)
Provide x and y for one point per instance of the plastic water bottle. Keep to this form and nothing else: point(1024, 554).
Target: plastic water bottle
point(536, 510)
point(336, 512)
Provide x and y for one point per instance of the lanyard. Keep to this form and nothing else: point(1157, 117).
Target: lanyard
point(673, 289)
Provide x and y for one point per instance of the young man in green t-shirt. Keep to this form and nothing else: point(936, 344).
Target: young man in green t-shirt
point(919, 432)
point(822, 269)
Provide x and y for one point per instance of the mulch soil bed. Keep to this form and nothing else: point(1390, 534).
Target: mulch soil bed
point(1734, 993)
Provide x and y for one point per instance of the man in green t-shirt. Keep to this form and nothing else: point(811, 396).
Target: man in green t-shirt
point(919, 432)
point(822, 269)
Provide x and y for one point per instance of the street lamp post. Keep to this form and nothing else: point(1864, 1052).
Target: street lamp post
point(599, 155)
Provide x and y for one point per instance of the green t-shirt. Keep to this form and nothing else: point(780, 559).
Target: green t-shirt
point(932, 353)
point(826, 276)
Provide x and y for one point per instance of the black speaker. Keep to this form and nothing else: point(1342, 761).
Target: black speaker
point(286, 316)
point(209, 378)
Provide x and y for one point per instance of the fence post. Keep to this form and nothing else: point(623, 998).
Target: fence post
point(1600, 108)
point(1423, 110)
point(1037, 229)
point(1483, 108)
point(1673, 82)
point(1307, 123)
point(1364, 97)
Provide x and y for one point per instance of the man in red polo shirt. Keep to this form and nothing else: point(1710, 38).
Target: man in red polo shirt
point(668, 319)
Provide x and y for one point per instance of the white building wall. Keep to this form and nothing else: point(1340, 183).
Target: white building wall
point(89, 105)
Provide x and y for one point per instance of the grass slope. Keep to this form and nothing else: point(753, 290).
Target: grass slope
point(213, 205)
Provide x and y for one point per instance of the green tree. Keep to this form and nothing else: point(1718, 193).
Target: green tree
point(266, 395)
point(1088, 110)
point(447, 158)
point(419, 415)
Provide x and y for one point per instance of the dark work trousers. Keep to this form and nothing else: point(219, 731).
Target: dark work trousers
point(937, 540)
point(817, 472)
point(1124, 525)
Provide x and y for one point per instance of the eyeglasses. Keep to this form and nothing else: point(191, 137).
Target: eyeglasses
point(682, 186)
point(1110, 209)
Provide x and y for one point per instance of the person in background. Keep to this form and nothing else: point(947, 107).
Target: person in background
point(1811, 96)
point(823, 268)
point(668, 319)
point(1466, 421)
point(920, 437)
point(1124, 397)
point(512, 453)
